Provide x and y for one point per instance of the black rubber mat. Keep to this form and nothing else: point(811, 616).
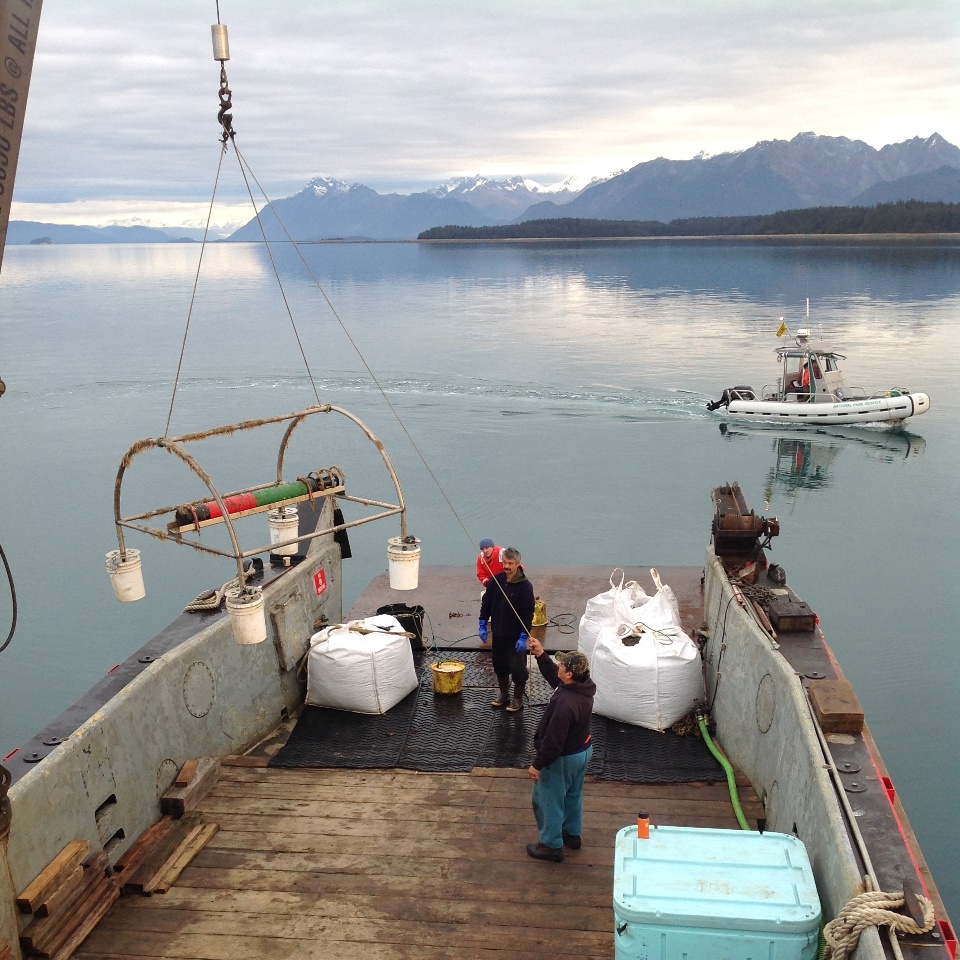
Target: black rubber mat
point(438, 733)
point(478, 667)
point(339, 738)
point(447, 733)
point(637, 755)
point(510, 738)
point(598, 735)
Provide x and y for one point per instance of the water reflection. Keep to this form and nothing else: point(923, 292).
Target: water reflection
point(803, 459)
point(69, 265)
point(768, 270)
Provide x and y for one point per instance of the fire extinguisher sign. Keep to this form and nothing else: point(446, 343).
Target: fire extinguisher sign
point(320, 581)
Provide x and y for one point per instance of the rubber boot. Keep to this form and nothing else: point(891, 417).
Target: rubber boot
point(517, 704)
point(504, 697)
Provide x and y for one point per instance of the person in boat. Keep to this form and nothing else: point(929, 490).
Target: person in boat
point(802, 386)
point(563, 750)
point(489, 560)
point(509, 601)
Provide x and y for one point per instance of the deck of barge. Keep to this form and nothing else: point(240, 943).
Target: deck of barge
point(384, 864)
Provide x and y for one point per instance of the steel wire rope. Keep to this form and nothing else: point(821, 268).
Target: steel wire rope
point(196, 281)
point(226, 120)
point(13, 599)
point(244, 169)
point(248, 169)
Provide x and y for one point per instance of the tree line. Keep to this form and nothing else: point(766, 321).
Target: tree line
point(905, 216)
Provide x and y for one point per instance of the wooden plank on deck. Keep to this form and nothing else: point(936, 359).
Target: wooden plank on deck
point(384, 865)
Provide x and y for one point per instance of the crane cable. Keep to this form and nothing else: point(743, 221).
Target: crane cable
point(228, 138)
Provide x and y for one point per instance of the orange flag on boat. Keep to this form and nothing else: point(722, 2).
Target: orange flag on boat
point(782, 329)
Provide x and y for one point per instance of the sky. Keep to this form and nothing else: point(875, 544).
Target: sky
point(402, 95)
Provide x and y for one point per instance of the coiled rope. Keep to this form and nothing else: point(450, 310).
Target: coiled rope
point(871, 909)
point(211, 599)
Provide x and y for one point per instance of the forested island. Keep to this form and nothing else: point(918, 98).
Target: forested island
point(905, 216)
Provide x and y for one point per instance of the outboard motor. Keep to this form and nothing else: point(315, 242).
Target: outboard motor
point(732, 393)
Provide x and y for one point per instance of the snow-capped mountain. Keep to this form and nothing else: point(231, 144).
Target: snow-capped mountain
point(327, 209)
point(772, 175)
point(325, 186)
point(508, 197)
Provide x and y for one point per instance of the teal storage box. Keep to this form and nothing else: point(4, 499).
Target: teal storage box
point(693, 894)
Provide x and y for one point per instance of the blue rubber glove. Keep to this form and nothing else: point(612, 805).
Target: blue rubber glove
point(483, 631)
point(521, 646)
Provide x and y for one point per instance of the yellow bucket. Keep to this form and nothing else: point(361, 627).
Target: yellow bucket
point(538, 628)
point(447, 676)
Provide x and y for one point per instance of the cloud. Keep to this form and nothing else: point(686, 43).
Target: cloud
point(402, 96)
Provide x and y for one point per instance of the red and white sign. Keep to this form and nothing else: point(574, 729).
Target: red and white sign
point(320, 581)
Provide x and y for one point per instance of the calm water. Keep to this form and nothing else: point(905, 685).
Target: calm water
point(556, 392)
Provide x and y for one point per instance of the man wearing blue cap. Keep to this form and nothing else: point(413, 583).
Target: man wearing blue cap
point(489, 560)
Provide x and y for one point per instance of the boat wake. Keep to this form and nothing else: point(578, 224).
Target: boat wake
point(515, 399)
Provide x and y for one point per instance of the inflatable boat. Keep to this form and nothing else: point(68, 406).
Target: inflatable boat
point(812, 389)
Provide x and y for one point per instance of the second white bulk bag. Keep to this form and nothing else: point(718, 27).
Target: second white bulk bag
point(651, 681)
point(365, 666)
point(626, 608)
point(607, 609)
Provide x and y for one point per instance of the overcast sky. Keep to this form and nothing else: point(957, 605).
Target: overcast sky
point(403, 94)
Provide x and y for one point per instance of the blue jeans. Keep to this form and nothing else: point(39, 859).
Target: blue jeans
point(558, 798)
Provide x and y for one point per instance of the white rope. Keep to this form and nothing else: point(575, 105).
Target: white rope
point(871, 909)
point(211, 599)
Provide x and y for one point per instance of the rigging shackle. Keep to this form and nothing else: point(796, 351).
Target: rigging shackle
point(221, 52)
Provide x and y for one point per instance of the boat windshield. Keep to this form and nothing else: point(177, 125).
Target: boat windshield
point(798, 355)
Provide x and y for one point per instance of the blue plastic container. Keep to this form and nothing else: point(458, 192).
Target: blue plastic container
point(694, 894)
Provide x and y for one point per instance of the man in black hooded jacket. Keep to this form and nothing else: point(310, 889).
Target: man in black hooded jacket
point(508, 602)
point(563, 751)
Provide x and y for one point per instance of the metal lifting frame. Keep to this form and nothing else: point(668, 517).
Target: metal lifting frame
point(175, 446)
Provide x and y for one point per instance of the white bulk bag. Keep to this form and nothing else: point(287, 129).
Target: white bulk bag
point(652, 683)
point(364, 672)
point(626, 608)
point(608, 609)
point(659, 612)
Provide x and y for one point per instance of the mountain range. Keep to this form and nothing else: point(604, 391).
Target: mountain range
point(34, 232)
point(327, 208)
point(774, 175)
point(771, 176)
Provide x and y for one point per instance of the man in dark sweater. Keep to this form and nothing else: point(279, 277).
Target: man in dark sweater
point(563, 751)
point(508, 601)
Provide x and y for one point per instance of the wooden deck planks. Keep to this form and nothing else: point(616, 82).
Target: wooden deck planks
point(386, 865)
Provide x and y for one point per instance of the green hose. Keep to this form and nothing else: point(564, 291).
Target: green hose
point(728, 770)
